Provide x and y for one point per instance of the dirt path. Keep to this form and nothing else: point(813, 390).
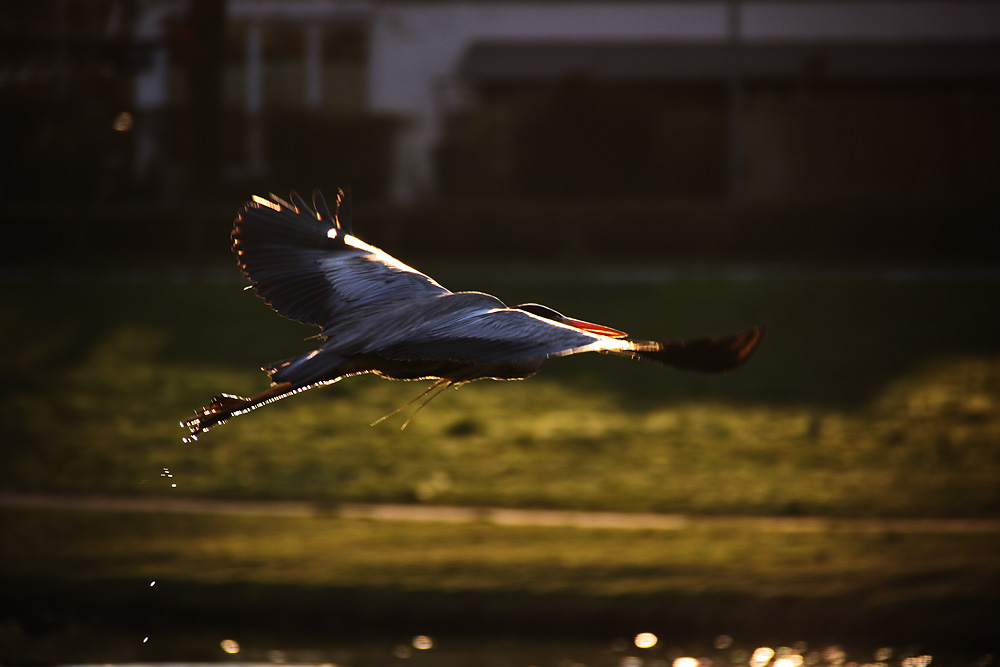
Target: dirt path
point(493, 515)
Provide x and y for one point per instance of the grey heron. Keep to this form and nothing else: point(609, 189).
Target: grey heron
point(378, 315)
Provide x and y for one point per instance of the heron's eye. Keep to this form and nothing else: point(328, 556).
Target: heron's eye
point(542, 311)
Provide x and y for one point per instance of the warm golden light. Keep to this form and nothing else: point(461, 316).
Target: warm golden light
point(422, 642)
point(884, 653)
point(265, 202)
point(645, 640)
point(230, 646)
point(793, 660)
point(685, 662)
point(761, 656)
point(835, 655)
point(123, 122)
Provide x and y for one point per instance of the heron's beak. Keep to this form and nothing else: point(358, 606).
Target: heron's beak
point(598, 329)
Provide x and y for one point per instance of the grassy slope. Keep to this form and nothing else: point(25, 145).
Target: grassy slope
point(867, 398)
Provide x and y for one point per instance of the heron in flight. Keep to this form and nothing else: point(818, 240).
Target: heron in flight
point(378, 315)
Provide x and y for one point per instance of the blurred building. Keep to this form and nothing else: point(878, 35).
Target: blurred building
point(765, 100)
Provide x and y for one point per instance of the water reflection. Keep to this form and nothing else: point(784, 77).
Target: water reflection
point(834, 655)
point(790, 660)
point(169, 475)
point(645, 650)
point(761, 656)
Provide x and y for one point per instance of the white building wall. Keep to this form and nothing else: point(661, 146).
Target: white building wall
point(416, 47)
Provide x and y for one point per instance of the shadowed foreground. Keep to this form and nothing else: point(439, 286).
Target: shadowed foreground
point(87, 586)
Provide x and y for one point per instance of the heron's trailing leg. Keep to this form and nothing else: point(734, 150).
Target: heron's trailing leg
point(226, 406)
point(434, 390)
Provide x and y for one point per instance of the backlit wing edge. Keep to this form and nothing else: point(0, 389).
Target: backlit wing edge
point(307, 268)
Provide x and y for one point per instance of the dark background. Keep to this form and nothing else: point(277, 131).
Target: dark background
point(834, 152)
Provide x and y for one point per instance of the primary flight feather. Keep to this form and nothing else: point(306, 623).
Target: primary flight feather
point(378, 315)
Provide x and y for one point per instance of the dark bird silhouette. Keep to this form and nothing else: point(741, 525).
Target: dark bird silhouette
point(378, 315)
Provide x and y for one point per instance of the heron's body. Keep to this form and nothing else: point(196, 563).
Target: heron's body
point(378, 315)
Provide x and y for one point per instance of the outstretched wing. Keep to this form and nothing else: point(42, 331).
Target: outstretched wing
point(495, 335)
point(308, 266)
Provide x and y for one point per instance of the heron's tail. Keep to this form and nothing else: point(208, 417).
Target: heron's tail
point(707, 355)
point(226, 406)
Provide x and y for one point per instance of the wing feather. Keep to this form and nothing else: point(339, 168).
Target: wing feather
point(308, 270)
point(498, 335)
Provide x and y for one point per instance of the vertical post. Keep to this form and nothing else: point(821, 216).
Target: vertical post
point(208, 24)
point(254, 102)
point(734, 103)
point(314, 66)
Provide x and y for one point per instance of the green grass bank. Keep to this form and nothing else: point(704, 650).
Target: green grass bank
point(870, 397)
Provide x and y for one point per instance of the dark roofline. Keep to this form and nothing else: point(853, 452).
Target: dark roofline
point(526, 61)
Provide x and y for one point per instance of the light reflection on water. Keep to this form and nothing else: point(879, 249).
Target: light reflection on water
point(761, 656)
point(645, 650)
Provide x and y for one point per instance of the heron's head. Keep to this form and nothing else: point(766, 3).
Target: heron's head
point(554, 315)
